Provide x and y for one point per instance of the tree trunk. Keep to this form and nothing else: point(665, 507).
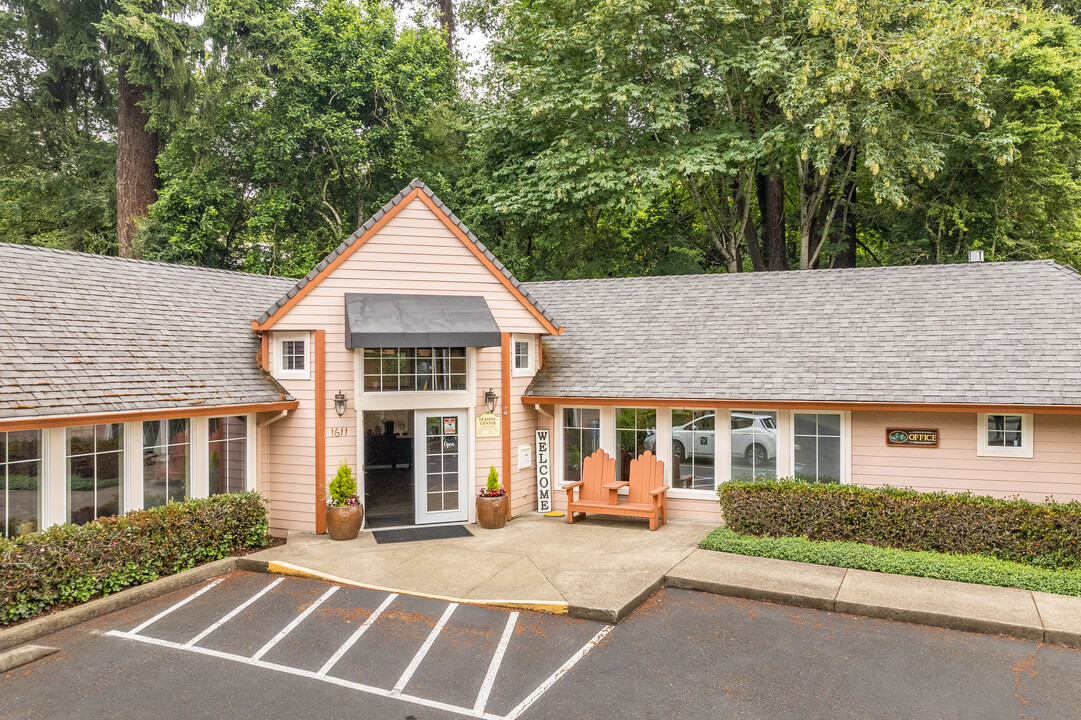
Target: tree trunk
point(771, 205)
point(446, 23)
point(136, 163)
point(750, 234)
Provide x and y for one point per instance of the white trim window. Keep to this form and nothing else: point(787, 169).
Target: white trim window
point(692, 465)
point(818, 450)
point(425, 369)
point(1004, 435)
point(754, 444)
point(228, 454)
point(523, 356)
point(291, 356)
point(95, 470)
point(20, 482)
point(166, 461)
point(581, 437)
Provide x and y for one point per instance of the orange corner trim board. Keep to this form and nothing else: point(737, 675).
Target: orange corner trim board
point(320, 431)
point(390, 214)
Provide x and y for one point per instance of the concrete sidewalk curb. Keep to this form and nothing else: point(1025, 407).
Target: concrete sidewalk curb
point(40, 627)
point(24, 656)
point(1009, 612)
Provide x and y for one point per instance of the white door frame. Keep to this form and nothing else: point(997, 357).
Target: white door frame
point(421, 515)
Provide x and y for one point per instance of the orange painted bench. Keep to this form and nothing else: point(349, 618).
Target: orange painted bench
point(598, 492)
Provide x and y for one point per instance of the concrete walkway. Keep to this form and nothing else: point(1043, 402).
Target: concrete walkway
point(1021, 614)
point(598, 569)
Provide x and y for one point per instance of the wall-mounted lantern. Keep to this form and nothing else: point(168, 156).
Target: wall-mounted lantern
point(490, 398)
point(339, 403)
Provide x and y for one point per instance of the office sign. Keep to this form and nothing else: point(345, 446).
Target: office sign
point(544, 471)
point(896, 437)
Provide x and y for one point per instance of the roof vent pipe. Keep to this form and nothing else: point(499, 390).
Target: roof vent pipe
point(975, 256)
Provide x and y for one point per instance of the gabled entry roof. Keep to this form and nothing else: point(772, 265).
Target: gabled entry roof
point(414, 190)
point(381, 320)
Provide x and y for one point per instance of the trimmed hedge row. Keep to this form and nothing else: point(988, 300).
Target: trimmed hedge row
point(74, 563)
point(1045, 535)
point(960, 568)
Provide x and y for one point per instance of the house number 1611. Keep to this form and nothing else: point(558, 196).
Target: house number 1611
point(338, 432)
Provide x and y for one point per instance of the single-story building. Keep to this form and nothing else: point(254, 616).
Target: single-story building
point(124, 383)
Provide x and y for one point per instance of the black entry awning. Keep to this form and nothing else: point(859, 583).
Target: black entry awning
point(380, 320)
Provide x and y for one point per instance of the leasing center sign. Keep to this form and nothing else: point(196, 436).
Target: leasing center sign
point(911, 438)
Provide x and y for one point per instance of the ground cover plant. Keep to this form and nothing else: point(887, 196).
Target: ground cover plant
point(961, 568)
point(68, 564)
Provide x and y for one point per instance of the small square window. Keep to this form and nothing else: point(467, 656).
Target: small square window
point(522, 352)
point(1004, 435)
point(291, 357)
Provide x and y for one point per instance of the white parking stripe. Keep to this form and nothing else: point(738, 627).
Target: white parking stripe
point(355, 636)
point(543, 688)
point(296, 621)
point(493, 668)
point(179, 605)
point(419, 657)
point(234, 613)
point(307, 674)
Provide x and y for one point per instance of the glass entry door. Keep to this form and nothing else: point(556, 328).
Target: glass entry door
point(441, 466)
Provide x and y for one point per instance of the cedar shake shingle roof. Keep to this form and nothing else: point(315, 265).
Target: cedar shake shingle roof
point(84, 333)
point(984, 333)
point(349, 241)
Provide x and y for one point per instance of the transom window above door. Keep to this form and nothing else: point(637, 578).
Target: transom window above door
point(414, 369)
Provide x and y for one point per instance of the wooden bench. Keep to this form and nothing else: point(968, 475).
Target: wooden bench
point(599, 493)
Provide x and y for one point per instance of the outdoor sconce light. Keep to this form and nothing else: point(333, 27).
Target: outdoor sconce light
point(490, 398)
point(339, 403)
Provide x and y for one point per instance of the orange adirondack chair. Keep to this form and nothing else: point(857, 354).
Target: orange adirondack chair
point(596, 490)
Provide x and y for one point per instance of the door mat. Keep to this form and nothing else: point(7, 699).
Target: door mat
point(414, 534)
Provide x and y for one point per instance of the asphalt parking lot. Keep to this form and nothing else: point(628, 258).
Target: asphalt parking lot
point(255, 645)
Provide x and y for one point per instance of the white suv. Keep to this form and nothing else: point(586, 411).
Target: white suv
point(754, 437)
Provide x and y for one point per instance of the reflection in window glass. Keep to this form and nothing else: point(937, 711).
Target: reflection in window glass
point(166, 454)
point(20, 482)
point(754, 444)
point(1004, 431)
point(521, 355)
point(228, 454)
point(581, 438)
point(694, 442)
point(817, 438)
point(414, 369)
point(95, 464)
point(633, 426)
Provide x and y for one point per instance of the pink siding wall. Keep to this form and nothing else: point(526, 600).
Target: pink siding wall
point(1054, 470)
point(413, 253)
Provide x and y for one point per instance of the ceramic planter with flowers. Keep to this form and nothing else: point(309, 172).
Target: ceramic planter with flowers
point(493, 505)
point(344, 513)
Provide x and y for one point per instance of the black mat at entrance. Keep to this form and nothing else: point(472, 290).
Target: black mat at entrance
point(440, 532)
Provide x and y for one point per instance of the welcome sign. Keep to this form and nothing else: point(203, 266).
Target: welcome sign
point(896, 437)
point(544, 472)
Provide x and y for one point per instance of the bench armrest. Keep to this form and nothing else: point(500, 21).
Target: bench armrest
point(569, 486)
point(659, 491)
point(616, 485)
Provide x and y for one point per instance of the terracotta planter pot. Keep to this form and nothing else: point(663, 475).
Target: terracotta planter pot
point(343, 523)
point(492, 512)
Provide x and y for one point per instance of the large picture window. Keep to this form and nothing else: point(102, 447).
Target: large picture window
point(581, 438)
point(753, 444)
point(633, 426)
point(95, 470)
point(228, 456)
point(414, 369)
point(166, 459)
point(694, 449)
point(20, 482)
point(817, 446)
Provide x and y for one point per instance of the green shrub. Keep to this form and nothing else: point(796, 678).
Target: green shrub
point(961, 568)
point(73, 563)
point(343, 488)
point(1046, 535)
point(493, 480)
